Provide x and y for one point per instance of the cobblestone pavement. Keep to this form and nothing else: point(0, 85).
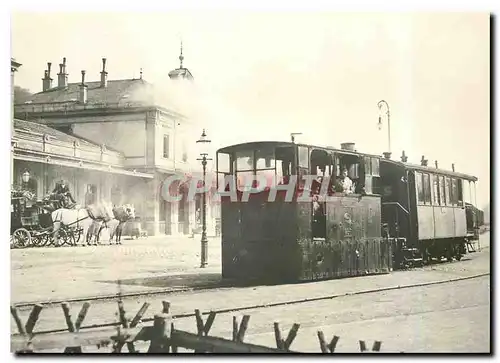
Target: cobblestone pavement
point(414, 318)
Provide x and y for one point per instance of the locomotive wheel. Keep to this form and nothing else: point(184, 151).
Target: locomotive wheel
point(21, 238)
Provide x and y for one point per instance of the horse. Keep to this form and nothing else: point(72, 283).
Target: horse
point(78, 218)
point(121, 215)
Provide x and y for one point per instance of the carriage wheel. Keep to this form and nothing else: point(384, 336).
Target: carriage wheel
point(77, 235)
point(67, 237)
point(46, 239)
point(63, 237)
point(21, 238)
point(36, 239)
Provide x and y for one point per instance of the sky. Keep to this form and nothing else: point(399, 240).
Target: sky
point(261, 76)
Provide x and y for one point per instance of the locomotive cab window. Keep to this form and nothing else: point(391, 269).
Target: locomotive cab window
point(223, 169)
point(266, 164)
point(355, 168)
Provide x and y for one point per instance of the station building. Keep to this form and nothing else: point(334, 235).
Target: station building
point(109, 141)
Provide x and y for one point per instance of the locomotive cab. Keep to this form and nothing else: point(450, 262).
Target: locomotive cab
point(304, 230)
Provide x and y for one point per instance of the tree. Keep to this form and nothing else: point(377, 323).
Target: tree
point(21, 95)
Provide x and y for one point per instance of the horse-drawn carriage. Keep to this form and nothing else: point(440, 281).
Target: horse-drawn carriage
point(38, 223)
point(32, 225)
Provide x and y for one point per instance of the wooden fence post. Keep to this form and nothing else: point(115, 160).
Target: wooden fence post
point(285, 344)
point(160, 341)
point(327, 348)
point(239, 332)
point(203, 328)
point(27, 330)
point(73, 328)
point(124, 322)
point(375, 348)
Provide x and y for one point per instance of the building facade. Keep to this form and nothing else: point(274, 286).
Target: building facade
point(109, 141)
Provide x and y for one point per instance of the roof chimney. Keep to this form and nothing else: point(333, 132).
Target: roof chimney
point(423, 161)
point(47, 81)
point(436, 162)
point(83, 90)
point(453, 167)
point(104, 74)
point(404, 158)
point(62, 76)
point(347, 146)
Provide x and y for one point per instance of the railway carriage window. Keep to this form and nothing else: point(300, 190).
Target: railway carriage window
point(442, 190)
point(427, 188)
point(460, 196)
point(454, 191)
point(435, 186)
point(420, 187)
point(447, 191)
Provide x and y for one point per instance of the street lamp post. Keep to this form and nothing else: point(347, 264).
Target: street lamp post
point(379, 104)
point(204, 242)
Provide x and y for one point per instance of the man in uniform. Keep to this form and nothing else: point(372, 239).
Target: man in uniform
point(62, 193)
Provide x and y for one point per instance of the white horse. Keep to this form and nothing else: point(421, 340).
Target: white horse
point(77, 218)
point(121, 215)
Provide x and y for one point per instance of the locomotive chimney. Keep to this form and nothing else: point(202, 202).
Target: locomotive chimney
point(453, 167)
point(423, 161)
point(436, 163)
point(387, 155)
point(347, 146)
point(404, 158)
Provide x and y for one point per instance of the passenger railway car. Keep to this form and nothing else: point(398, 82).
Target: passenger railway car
point(430, 208)
point(399, 214)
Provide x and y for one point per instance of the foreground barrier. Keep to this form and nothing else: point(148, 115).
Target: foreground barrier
point(162, 335)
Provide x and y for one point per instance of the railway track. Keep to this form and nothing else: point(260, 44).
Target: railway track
point(164, 291)
point(242, 308)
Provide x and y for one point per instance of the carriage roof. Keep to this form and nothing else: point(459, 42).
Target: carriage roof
point(257, 144)
point(416, 167)
point(429, 169)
